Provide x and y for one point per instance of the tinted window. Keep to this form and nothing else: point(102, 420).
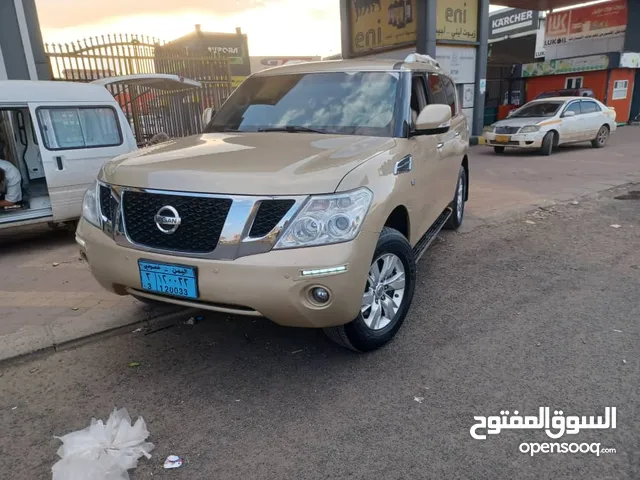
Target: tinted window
point(359, 103)
point(437, 93)
point(590, 107)
point(574, 107)
point(450, 90)
point(537, 109)
point(69, 128)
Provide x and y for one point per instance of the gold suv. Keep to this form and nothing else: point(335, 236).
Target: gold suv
point(308, 200)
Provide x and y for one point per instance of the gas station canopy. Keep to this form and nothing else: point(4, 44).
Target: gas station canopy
point(540, 5)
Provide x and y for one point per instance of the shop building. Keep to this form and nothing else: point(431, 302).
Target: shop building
point(590, 47)
point(234, 46)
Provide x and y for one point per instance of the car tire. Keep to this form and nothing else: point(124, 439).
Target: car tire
point(498, 150)
point(363, 334)
point(457, 205)
point(547, 144)
point(601, 138)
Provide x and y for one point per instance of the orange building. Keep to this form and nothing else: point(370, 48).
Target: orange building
point(611, 77)
point(590, 47)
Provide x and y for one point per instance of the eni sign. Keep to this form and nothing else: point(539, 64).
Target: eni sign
point(386, 24)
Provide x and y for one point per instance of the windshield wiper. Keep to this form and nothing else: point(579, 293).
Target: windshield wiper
point(291, 129)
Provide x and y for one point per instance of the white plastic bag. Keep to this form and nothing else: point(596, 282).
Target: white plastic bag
point(103, 451)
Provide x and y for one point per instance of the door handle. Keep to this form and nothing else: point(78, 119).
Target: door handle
point(457, 134)
point(59, 163)
point(440, 145)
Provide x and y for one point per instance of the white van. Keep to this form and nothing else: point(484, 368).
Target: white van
point(59, 134)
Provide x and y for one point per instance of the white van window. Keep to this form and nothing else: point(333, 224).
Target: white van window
point(85, 127)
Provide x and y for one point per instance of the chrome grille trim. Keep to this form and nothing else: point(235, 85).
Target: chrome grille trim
point(234, 241)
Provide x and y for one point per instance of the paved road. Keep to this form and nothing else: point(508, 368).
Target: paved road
point(519, 315)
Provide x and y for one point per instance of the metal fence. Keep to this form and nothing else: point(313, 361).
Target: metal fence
point(149, 111)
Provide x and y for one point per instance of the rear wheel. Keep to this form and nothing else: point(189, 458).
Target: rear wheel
point(386, 298)
point(498, 149)
point(547, 143)
point(457, 216)
point(601, 138)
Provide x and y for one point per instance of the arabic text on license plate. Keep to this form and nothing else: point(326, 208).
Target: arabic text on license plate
point(502, 138)
point(168, 279)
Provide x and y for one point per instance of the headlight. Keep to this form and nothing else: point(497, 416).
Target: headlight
point(490, 128)
point(90, 206)
point(327, 219)
point(530, 129)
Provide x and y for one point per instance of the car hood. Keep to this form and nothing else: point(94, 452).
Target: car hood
point(521, 122)
point(269, 163)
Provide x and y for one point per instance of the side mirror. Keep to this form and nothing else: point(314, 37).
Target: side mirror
point(434, 119)
point(510, 113)
point(569, 113)
point(207, 115)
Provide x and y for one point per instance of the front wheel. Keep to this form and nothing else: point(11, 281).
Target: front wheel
point(547, 144)
point(386, 298)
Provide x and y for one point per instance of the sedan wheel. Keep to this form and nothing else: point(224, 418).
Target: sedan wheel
point(602, 138)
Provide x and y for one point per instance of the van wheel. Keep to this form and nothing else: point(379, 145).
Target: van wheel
point(602, 138)
point(386, 298)
point(457, 206)
point(547, 144)
point(498, 150)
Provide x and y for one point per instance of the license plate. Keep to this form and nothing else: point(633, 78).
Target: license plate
point(502, 138)
point(168, 279)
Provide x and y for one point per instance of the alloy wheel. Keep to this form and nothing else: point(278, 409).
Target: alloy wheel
point(384, 292)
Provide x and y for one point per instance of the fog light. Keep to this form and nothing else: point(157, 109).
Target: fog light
point(320, 295)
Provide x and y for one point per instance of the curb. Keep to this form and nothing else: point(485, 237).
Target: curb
point(477, 140)
point(153, 323)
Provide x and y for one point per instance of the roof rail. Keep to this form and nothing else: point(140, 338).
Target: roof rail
point(420, 58)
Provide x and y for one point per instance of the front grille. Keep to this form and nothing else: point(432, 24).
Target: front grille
point(507, 130)
point(269, 214)
point(105, 202)
point(202, 220)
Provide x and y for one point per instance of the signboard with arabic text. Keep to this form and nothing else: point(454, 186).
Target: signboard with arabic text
point(598, 28)
point(378, 25)
point(566, 65)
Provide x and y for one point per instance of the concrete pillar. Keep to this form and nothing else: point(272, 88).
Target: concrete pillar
point(427, 14)
point(344, 28)
point(481, 66)
point(22, 54)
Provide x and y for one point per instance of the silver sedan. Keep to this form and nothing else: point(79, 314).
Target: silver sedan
point(546, 123)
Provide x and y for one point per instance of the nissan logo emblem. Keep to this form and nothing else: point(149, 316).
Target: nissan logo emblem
point(167, 219)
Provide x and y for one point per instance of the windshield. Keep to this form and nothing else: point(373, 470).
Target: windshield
point(537, 109)
point(362, 103)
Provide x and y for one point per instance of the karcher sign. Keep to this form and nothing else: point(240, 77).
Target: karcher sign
point(512, 22)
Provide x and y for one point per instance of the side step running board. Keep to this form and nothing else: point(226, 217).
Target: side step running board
point(431, 234)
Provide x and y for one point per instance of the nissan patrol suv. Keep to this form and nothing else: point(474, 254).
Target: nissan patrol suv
point(308, 200)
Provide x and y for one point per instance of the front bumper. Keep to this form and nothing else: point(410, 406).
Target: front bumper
point(269, 284)
point(517, 140)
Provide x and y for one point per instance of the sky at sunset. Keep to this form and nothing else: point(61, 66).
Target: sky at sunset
point(274, 27)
